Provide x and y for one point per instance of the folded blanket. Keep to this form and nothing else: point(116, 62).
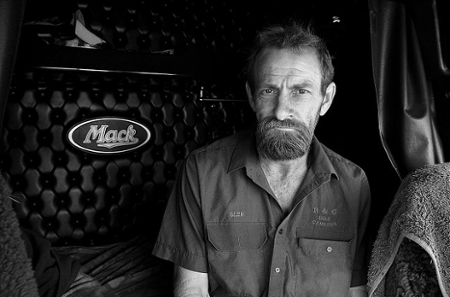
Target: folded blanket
point(123, 269)
point(53, 273)
point(16, 273)
point(420, 213)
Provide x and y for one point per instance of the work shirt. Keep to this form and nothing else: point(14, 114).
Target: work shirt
point(222, 219)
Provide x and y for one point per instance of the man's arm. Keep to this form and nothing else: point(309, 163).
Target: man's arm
point(359, 291)
point(188, 283)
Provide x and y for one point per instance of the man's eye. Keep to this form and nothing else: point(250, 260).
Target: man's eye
point(302, 91)
point(267, 93)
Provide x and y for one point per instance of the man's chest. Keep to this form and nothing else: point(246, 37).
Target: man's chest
point(285, 186)
point(318, 209)
point(313, 243)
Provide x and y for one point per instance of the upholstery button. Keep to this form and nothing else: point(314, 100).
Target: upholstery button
point(329, 249)
point(277, 270)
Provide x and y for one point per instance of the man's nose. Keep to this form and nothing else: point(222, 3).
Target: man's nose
point(283, 109)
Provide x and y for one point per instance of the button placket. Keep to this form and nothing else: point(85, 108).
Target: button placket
point(278, 260)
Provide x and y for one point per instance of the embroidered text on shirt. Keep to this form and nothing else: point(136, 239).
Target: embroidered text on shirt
point(236, 214)
point(324, 217)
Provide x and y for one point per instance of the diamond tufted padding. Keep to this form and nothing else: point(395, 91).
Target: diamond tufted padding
point(78, 198)
point(154, 26)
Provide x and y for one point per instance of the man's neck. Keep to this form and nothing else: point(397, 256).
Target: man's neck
point(285, 178)
point(284, 169)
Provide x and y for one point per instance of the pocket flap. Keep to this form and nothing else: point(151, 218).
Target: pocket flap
point(323, 248)
point(237, 236)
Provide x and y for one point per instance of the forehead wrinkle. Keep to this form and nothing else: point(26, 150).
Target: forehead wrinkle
point(284, 72)
point(291, 69)
point(272, 77)
point(291, 73)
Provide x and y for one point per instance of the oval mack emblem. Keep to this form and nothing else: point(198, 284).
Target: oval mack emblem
point(108, 135)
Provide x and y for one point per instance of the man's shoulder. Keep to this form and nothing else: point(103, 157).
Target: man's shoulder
point(342, 164)
point(222, 145)
point(218, 152)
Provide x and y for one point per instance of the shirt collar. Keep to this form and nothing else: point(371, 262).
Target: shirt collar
point(245, 155)
point(321, 160)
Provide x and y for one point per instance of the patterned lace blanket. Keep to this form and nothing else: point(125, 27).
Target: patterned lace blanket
point(412, 273)
point(420, 213)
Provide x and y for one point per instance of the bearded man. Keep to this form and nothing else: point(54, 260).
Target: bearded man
point(271, 211)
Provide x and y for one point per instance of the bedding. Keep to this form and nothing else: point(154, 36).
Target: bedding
point(30, 266)
point(416, 227)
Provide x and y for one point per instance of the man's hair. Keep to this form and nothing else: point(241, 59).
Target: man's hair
point(297, 38)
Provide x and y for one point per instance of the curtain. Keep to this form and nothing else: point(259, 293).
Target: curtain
point(403, 52)
point(11, 16)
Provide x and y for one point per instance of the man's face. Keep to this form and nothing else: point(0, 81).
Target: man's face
point(287, 100)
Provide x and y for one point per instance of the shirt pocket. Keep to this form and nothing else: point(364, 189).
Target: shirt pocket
point(237, 236)
point(235, 252)
point(326, 252)
point(324, 266)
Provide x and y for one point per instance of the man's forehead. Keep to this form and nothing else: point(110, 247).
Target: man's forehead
point(285, 63)
point(284, 72)
point(290, 75)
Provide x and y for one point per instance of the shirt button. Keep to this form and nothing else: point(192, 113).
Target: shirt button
point(277, 270)
point(280, 231)
point(329, 249)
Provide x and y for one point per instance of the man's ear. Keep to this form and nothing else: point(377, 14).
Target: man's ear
point(249, 95)
point(328, 98)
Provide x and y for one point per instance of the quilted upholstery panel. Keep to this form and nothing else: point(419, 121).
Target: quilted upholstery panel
point(153, 26)
point(73, 197)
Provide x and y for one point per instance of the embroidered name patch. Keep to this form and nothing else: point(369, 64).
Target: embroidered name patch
point(324, 217)
point(236, 214)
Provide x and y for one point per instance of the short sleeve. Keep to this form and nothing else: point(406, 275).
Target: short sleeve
point(359, 275)
point(182, 234)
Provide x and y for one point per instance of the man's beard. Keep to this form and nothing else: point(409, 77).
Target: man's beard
point(278, 145)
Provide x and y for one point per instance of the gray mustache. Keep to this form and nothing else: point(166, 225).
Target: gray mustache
point(282, 124)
